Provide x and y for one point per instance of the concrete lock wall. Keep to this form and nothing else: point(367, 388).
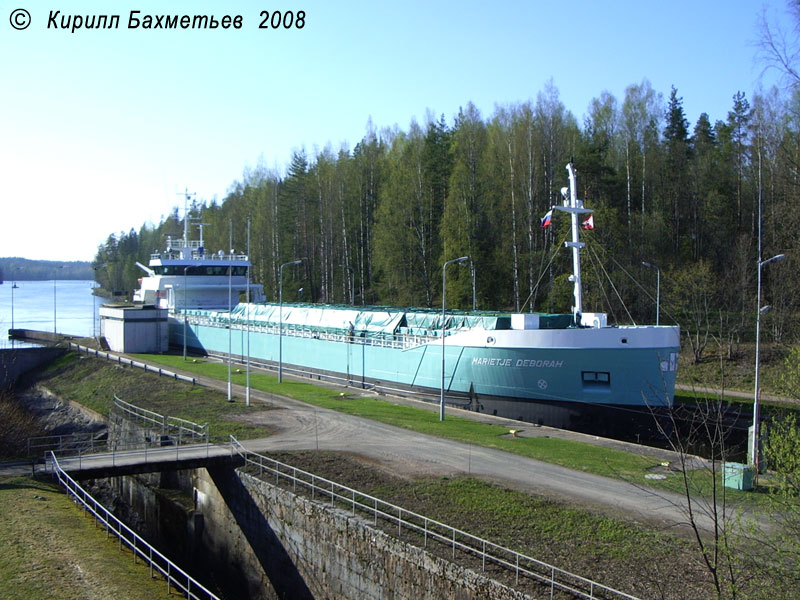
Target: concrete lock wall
point(308, 550)
point(15, 362)
point(259, 541)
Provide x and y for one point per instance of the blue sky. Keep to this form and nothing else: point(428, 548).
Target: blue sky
point(100, 130)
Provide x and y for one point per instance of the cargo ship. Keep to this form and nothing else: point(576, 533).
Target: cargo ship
point(572, 370)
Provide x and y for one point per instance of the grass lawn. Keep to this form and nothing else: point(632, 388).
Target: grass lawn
point(602, 547)
point(51, 550)
point(94, 382)
point(580, 456)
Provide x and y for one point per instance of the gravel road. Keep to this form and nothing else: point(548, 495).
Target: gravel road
point(299, 426)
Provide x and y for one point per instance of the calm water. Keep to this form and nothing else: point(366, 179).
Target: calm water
point(75, 307)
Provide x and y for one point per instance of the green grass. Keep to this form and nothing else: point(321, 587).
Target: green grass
point(93, 383)
point(89, 381)
point(499, 513)
point(50, 549)
point(716, 371)
point(636, 558)
point(575, 455)
point(579, 456)
point(604, 544)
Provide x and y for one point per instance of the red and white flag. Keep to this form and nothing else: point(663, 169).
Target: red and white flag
point(589, 223)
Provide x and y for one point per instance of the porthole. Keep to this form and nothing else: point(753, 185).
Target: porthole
point(490, 340)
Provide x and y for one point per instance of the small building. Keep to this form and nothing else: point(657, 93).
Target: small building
point(135, 328)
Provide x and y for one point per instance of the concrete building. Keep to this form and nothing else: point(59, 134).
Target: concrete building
point(135, 329)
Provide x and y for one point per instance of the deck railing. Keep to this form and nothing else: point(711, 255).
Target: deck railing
point(397, 341)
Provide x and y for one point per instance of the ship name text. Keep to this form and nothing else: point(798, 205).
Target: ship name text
point(509, 362)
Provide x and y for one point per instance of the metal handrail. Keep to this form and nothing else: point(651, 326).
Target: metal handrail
point(174, 576)
point(399, 341)
point(118, 452)
point(127, 361)
point(175, 432)
point(42, 444)
point(166, 423)
point(175, 253)
point(519, 564)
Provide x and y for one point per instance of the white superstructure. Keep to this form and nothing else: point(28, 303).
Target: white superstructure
point(185, 275)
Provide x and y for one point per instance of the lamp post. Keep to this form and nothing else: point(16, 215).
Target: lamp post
point(13, 287)
point(352, 274)
point(280, 316)
point(658, 288)
point(94, 301)
point(247, 323)
point(55, 331)
point(54, 305)
point(230, 306)
point(474, 295)
point(752, 453)
point(185, 287)
point(444, 288)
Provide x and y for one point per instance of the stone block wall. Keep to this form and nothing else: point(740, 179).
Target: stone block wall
point(306, 549)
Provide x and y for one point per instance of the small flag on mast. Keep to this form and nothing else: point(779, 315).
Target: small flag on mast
point(589, 223)
point(545, 221)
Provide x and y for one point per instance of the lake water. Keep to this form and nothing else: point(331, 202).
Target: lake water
point(33, 303)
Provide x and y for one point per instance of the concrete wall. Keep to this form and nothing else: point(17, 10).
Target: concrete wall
point(258, 541)
point(15, 362)
point(309, 550)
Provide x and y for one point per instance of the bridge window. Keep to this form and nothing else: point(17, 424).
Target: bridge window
point(596, 378)
point(204, 270)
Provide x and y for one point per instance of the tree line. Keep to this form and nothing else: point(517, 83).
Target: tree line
point(23, 269)
point(382, 218)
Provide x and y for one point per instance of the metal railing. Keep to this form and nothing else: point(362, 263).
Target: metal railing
point(172, 432)
point(398, 341)
point(175, 252)
point(117, 454)
point(520, 566)
point(81, 442)
point(175, 577)
point(185, 431)
point(133, 363)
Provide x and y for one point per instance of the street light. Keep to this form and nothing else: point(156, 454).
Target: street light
point(352, 274)
point(752, 454)
point(94, 301)
point(474, 295)
point(280, 316)
point(658, 288)
point(13, 287)
point(230, 307)
point(55, 331)
point(54, 305)
point(185, 286)
point(444, 291)
point(247, 323)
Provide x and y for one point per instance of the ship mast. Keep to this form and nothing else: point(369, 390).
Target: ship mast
point(574, 207)
point(186, 197)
